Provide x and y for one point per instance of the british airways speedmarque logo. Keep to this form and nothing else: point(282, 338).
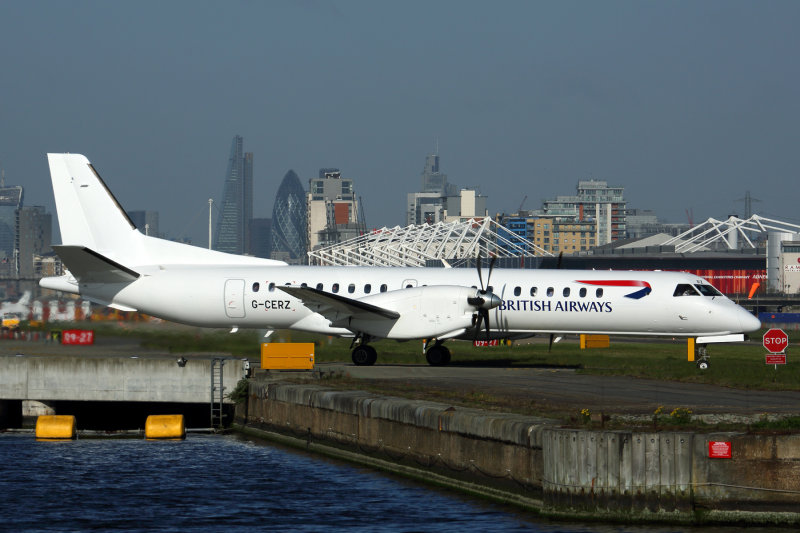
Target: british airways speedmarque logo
point(641, 293)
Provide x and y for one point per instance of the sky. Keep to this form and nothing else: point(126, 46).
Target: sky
point(686, 104)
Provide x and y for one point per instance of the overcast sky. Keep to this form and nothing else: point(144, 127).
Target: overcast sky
point(687, 105)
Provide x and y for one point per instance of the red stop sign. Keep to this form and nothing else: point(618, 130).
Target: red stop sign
point(776, 340)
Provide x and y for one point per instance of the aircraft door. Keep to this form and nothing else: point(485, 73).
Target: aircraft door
point(234, 298)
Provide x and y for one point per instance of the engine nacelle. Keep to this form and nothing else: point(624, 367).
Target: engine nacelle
point(425, 312)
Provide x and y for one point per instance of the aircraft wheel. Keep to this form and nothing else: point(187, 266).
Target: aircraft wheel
point(703, 363)
point(364, 355)
point(437, 355)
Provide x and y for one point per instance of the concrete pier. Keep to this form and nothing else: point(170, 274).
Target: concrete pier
point(113, 387)
point(623, 475)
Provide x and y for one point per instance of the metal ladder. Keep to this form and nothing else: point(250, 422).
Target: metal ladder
point(217, 392)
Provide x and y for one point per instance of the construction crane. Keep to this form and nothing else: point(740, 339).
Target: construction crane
point(522, 203)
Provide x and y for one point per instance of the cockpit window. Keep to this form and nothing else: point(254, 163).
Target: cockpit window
point(707, 290)
point(684, 289)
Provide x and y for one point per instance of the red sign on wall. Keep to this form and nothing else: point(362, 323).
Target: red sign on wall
point(77, 336)
point(492, 342)
point(718, 449)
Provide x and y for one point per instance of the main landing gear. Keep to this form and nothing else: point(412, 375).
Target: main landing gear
point(364, 355)
point(437, 355)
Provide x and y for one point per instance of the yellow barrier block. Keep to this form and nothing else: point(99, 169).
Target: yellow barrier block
point(287, 355)
point(594, 341)
point(164, 427)
point(690, 345)
point(56, 427)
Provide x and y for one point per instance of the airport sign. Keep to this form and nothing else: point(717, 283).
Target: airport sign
point(776, 340)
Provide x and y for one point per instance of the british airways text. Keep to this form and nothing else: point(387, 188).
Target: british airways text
point(548, 305)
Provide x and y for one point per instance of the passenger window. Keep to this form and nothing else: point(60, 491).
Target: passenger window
point(304, 284)
point(256, 286)
point(319, 286)
point(271, 287)
point(599, 293)
point(383, 287)
point(533, 291)
point(409, 286)
point(582, 292)
point(351, 288)
point(335, 288)
point(517, 291)
point(367, 288)
point(684, 289)
point(566, 292)
point(550, 291)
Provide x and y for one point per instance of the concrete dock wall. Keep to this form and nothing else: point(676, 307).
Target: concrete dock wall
point(111, 379)
point(560, 471)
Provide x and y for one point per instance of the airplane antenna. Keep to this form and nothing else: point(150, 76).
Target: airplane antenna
point(210, 202)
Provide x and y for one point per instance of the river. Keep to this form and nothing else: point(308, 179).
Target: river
point(226, 483)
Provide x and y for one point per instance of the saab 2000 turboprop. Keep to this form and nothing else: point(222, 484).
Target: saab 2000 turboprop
point(112, 263)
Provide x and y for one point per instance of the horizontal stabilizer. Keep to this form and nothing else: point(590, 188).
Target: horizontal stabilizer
point(89, 266)
point(335, 307)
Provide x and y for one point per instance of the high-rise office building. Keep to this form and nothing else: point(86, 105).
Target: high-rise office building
point(594, 201)
point(332, 209)
point(440, 201)
point(33, 239)
point(261, 237)
point(289, 221)
point(233, 223)
point(10, 201)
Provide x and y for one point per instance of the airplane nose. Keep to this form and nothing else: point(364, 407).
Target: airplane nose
point(749, 322)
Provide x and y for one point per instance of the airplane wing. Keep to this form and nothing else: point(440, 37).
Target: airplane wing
point(89, 266)
point(337, 308)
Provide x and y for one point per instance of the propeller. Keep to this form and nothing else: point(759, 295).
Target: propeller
point(484, 300)
point(558, 267)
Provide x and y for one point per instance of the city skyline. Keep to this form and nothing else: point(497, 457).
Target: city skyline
point(687, 105)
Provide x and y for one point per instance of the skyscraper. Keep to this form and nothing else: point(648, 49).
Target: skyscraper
point(233, 224)
point(10, 201)
point(289, 221)
point(33, 237)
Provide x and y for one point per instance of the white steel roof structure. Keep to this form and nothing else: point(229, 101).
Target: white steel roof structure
point(414, 245)
point(726, 233)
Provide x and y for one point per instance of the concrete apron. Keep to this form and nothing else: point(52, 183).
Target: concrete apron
point(529, 462)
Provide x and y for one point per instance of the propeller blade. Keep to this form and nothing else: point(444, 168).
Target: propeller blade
point(478, 319)
point(480, 277)
point(550, 348)
point(560, 257)
point(486, 319)
point(491, 266)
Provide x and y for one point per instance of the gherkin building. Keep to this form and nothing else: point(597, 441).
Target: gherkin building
point(289, 220)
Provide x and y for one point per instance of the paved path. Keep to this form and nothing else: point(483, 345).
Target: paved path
point(569, 389)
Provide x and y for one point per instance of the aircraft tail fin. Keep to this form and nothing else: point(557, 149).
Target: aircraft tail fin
point(25, 299)
point(90, 217)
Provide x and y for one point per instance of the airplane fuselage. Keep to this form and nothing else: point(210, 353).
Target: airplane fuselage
point(533, 301)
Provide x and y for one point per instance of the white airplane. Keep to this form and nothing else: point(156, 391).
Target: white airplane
point(21, 307)
point(112, 263)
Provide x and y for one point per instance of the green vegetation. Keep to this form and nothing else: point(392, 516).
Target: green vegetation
point(739, 365)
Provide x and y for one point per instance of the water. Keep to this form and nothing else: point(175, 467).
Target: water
point(224, 483)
